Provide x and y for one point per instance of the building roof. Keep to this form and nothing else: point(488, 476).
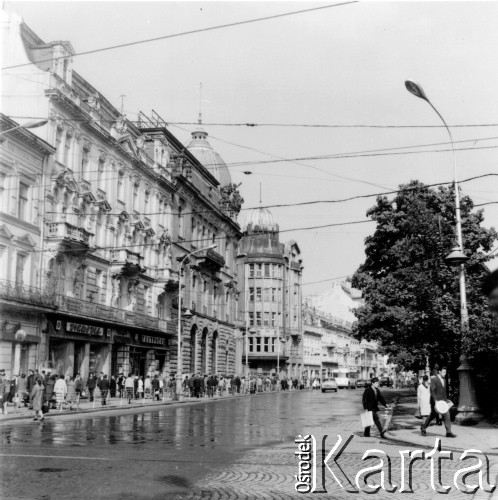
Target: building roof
point(259, 220)
point(200, 147)
point(338, 302)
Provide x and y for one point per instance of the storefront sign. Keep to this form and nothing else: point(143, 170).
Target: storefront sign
point(146, 339)
point(121, 339)
point(84, 329)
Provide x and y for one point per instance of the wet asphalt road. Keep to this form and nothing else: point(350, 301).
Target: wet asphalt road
point(236, 448)
point(155, 454)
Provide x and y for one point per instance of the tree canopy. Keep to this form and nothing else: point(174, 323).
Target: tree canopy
point(412, 298)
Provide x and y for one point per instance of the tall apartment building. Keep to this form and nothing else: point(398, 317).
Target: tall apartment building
point(270, 298)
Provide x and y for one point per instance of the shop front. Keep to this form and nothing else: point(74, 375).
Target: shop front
point(18, 346)
point(141, 354)
point(77, 347)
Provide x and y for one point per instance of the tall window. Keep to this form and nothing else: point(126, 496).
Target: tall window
point(100, 288)
point(266, 346)
point(180, 220)
point(85, 164)
point(58, 140)
point(258, 271)
point(267, 319)
point(100, 174)
point(67, 151)
point(258, 319)
point(251, 294)
point(267, 270)
point(266, 294)
point(251, 319)
point(20, 266)
point(3, 180)
point(251, 270)
point(121, 188)
point(273, 321)
point(135, 198)
point(258, 294)
point(22, 202)
point(273, 294)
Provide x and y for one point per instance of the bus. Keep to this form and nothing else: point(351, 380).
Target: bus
point(345, 378)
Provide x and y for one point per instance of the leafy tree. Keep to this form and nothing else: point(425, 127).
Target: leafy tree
point(412, 298)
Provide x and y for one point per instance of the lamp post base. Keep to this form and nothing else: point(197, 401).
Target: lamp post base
point(468, 410)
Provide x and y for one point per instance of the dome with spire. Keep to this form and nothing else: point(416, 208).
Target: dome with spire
point(259, 219)
point(205, 154)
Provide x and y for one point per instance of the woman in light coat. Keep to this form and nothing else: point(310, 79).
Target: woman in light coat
point(37, 399)
point(71, 392)
point(424, 397)
point(60, 390)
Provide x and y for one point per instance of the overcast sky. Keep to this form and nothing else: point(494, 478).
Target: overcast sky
point(345, 65)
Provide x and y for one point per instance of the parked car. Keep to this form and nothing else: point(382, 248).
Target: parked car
point(385, 382)
point(362, 382)
point(329, 384)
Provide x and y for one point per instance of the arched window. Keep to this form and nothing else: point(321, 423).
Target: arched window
point(193, 338)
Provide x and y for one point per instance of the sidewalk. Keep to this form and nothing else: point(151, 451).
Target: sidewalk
point(85, 407)
point(405, 428)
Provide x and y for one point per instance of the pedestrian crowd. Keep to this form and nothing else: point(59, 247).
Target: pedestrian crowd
point(44, 391)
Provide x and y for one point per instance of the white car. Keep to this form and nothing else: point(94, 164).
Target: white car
point(329, 384)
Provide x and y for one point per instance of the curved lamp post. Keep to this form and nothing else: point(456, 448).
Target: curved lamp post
point(188, 314)
point(468, 408)
point(31, 124)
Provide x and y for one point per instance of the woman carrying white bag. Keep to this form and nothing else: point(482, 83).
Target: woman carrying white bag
point(423, 398)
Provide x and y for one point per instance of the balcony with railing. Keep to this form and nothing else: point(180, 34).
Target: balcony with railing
point(211, 259)
point(132, 262)
point(25, 294)
point(68, 233)
point(100, 312)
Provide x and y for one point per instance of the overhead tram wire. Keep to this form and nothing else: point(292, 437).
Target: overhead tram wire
point(314, 202)
point(291, 161)
point(185, 33)
point(253, 125)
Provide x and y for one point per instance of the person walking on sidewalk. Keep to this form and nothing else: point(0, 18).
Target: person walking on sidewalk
point(36, 398)
point(371, 399)
point(424, 397)
point(155, 387)
point(90, 385)
point(438, 392)
point(129, 385)
point(60, 389)
point(71, 392)
point(78, 389)
point(103, 385)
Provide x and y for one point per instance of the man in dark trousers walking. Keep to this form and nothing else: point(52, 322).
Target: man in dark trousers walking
point(438, 393)
point(371, 399)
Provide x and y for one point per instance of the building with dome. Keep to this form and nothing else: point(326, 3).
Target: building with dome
point(269, 273)
point(114, 210)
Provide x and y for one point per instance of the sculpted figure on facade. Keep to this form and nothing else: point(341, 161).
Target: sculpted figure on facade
point(132, 295)
point(116, 284)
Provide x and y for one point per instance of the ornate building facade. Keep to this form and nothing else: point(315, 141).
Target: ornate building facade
point(270, 299)
point(23, 158)
point(122, 203)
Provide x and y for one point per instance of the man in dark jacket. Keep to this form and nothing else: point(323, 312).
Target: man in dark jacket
point(237, 383)
point(438, 393)
point(371, 399)
point(30, 382)
point(103, 385)
point(154, 383)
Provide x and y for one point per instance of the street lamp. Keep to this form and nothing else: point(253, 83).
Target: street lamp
point(31, 124)
point(468, 408)
point(188, 314)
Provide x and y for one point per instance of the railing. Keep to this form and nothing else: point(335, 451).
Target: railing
point(66, 230)
point(126, 257)
point(99, 311)
point(18, 292)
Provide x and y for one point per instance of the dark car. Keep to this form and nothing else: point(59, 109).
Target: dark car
point(385, 382)
point(362, 382)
